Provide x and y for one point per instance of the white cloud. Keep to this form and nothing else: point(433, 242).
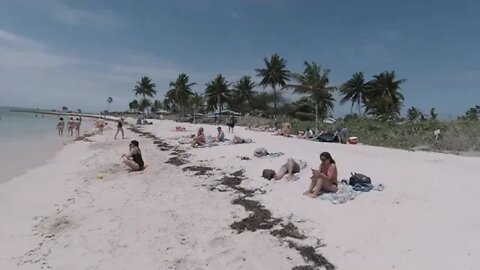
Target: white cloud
point(34, 74)
point(77, 17)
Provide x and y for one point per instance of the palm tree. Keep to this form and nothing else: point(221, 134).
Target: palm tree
point(413, 114)
point(156, 106)
point(382, 97)
point(217, 93)
point(144, 104)
point(133, 105)
point(274, 74)
point(197, 102)
point(353, 90)
point(145, 87)
point(314, 81)
point(109, 101)
point(181, 90)
point(243, 91)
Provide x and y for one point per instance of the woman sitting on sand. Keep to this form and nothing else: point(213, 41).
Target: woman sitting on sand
point(324, 179)
point(238, 140)
point(199, 139)
point(60, 126)
point(134, 159)
point(285, 131)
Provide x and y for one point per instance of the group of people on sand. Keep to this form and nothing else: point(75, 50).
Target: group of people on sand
point(323, 179)
point(199, 139)
point(73, 126)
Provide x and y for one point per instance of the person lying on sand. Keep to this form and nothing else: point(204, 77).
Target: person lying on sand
point(288, 169)
point(199, 139)
point(324, 179)
point(134, 158)
point(180, 128)
point(238, 140)
point(220, 136)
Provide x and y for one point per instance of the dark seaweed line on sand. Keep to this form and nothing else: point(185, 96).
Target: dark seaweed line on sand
point(260, 217)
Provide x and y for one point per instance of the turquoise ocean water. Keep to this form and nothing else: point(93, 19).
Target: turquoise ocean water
point(17, 126)
point(26, 141)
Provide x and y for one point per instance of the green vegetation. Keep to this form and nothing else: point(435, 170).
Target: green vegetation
point(374, 114)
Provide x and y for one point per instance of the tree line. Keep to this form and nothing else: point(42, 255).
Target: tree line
point(379, 97)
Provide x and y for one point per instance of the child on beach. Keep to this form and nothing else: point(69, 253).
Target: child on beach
point(325, 178)
point(60, 126)
point(199, 139)
point(119, 128)
point(134, 158)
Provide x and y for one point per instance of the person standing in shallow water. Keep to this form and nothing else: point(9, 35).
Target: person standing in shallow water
point(78, 123)
point(324, 179)
point(119, 128)
point(60, 126)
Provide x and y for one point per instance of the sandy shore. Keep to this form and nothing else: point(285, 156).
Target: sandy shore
point(61, 216)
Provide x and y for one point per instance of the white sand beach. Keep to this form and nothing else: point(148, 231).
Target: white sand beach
point(60, 216)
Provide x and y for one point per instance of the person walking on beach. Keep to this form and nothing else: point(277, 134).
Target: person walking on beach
point(231, 123)
point(134, 158)
point(60, 126)
point(324, 179)
point(119, 128)
point(70, 126)
point(78, 123)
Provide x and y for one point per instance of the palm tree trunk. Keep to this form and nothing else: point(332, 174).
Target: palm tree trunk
point(316, 115)
point(194, 113)
point(274, 100)
point(108, 107)
point(351, 108)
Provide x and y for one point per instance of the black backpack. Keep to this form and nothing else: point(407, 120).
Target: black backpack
point(358, 178)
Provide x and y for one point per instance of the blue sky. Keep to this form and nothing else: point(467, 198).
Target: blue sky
point(77, 53)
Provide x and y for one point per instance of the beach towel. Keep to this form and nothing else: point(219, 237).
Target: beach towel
point(344, 194)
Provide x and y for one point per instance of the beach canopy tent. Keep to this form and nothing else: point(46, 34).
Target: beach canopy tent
point(228, 112)
point(329, 120)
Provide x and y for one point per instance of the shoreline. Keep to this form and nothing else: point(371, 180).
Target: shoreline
point(210, 210)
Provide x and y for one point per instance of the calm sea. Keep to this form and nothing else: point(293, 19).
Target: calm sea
point(16, 125)
point(27, 141)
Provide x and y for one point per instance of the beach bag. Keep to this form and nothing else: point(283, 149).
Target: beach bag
point(268, 174)
point(260, 152)
point(359, 179)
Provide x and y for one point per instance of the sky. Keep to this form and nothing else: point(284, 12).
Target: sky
point(56, 53)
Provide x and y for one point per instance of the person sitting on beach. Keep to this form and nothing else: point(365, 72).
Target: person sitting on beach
point(238, 140)
point(220, 136)
point(199, 139)
point(119, 129)
point(78, 123)
point(134, 158)
point(285, 131)
point(324, 179)
point(60, 126)
point(288, 169)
